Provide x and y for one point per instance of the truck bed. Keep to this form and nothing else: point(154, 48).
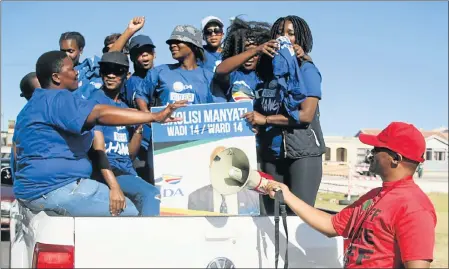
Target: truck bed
point(173, 242)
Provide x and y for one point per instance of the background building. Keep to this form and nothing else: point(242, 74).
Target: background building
point(342, 152)
point(6, 143)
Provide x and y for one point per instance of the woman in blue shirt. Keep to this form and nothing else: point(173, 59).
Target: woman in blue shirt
point(53, 136)
point(182, 81)
point(238, 81)
point(286, 115)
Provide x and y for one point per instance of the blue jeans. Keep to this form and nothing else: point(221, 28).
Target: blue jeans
point(145, 196)
point(88, 198)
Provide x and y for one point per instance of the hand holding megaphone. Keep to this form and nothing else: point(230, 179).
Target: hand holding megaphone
point(273, 186)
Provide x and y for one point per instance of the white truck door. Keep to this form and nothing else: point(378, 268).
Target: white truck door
point(199, 242)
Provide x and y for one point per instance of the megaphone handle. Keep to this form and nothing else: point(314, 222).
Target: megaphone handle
point(280, 206)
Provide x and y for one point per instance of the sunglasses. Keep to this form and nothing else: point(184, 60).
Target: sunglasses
point(113, 69)
point(216, 30)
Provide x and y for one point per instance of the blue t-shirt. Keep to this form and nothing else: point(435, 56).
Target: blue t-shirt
point(169, 83)
point(116, 138)
point(89, 79)
point(213, 59)
point(269, 103)
point(128, 93)
point(242, 86)
point(129, 90)
point(51, 147)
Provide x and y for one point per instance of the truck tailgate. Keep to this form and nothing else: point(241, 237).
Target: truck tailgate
point(199, 242)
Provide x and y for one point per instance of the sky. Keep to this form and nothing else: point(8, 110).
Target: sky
point(380, 61)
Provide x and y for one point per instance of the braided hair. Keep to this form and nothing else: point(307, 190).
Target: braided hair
point(303, 34)
point(241, 31)
point(303, 37)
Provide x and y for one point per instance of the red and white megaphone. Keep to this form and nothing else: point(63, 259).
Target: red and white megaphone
point(230, 172)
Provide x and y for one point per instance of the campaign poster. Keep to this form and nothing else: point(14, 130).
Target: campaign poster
point(183, 152)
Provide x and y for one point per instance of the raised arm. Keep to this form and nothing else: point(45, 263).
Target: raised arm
point(114, 116)
point(233, 63)
point(133, 27)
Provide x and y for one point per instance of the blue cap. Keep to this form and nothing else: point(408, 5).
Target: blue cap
point(139, 41)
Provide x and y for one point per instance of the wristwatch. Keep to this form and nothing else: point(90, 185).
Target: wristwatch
point(139, 131)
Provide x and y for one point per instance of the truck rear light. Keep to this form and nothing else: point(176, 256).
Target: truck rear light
point(53, 256)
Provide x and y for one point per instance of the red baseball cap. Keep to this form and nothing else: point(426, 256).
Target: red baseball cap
point(400, 137)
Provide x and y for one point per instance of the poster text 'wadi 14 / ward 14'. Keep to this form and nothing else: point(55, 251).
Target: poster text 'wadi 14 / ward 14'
point(206, 121)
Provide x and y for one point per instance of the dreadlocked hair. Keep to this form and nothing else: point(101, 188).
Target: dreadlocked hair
point(241, 31)
point(303, 34)
point(303, 37)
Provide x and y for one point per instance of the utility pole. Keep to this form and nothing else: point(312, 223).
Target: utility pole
point(3, 123)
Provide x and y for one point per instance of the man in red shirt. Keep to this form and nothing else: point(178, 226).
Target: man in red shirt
point(391, 226)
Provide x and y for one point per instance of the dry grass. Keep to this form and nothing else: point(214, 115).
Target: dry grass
point(333, 169)
point(440, 201)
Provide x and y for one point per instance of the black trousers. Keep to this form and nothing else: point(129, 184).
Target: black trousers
point(302, 176)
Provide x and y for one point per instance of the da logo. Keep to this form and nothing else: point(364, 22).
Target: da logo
point(168, 186)
point(168, 179)
point(179, 86)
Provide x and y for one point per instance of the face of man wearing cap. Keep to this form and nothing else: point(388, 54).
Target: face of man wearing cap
point(213, 34)
point(179, 50)
point(144, 57)
point(381, 160)
point(113, 76)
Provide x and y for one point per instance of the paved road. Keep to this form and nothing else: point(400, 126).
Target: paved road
point(4, 251)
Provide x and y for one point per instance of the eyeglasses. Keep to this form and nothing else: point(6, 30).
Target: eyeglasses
point(113, 69)
point(393, 154)
point(210, 31)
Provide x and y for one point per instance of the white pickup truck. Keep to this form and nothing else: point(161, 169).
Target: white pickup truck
point(45, 240)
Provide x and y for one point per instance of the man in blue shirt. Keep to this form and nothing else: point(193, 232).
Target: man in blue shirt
point(52, 137)
point(27, 85)
point(121, 144)
point(212, 28)
point(142, 52)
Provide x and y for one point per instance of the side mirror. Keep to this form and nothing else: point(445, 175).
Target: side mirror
point(6, 174)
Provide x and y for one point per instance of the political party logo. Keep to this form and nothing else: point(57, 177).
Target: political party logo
point(179, 86)
point(242, 91)
point(367, 204)
point(96, 84)
point(168, 179)
point(221, 262)
point(240, 96)
point(167, 185)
